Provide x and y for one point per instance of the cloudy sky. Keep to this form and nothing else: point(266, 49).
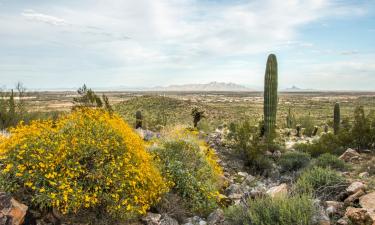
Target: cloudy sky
point(320, 44)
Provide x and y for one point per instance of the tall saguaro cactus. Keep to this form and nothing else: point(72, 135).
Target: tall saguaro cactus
point(138, 119)
point(336, 118)
point(270, 97)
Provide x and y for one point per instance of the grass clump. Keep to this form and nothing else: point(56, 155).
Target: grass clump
point(328, 160)
point(323, 183)
point(87, 160)
point(295, 210)
point(293, 161)
point(193, 170)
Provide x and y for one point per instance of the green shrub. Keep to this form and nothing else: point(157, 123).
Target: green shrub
point(296, 210)
point(320, 182)
point(245, 138)
point(328, 160)
point(327, 143)
point(307, 124)
point(195, 177)
point(293, 161)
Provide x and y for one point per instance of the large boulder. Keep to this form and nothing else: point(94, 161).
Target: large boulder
point(358, 216)
point(355, 187)
point(350, 155)
point(280, 190)
point(354, 197)
point(368, 202)
point(12, 212)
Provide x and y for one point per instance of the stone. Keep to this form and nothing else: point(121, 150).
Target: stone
point(355, 187)
point(280, 190)
point(354, 197)
point(242, 174)
point(350, 155)
point(358, 216)
point(167, 220)
point(12, 212)
point(342, 221)
point(320, 217)
point(334, 207)
point(152, 218)
point(364, 175)
point(216, 217)
point(368, 202)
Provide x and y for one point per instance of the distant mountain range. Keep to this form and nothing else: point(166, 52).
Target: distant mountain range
point(296, 89)
point(207, 87)
point(212, 86)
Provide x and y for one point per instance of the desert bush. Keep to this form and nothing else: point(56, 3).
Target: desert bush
point(88, 159)
point(193, 170)
point(307, 124)
point(328, 160)
point(295, 210)
point(327, 143)
point(12, 111)
point(324, 183)
point(246, 139)
point(293, 161)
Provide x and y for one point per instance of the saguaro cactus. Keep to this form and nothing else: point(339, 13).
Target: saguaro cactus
point(336, 118)
point(289, 119)
point(270, 97)
point(138, 119)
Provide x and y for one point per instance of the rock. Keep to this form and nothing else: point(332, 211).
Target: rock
point(242, 174)
point(281, 190)
point(167, 220)
point(364, 175)
point(196, 220)
point(358, 216)
point(320, 217)
point(334, 207)
point(368, 202)
point(342, 221)
point(355, 187)
point(12, 212)
point(276, 154)
point(216, 217)
point(152, 218)
point(350, 155)
point(354, 197)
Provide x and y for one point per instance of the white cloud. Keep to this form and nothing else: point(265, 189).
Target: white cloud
point(44, 18)
point(167, 36)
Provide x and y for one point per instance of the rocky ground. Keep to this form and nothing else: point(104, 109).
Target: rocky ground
point(356, 205)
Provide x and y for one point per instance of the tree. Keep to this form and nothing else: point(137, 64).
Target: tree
point(88, 98)
point(197, 115)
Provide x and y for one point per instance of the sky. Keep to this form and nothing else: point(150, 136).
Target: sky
point(319, 44)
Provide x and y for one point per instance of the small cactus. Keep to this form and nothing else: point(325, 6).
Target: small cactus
point(315, 132)
point(138, 119)
point(289, 119)
point(336, 118)
point(270, 97)
point(298, 130)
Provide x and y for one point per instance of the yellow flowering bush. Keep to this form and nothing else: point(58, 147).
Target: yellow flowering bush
point(192, 166)
point(86, 159)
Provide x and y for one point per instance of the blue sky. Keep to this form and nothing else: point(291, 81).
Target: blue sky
point(320, 44)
